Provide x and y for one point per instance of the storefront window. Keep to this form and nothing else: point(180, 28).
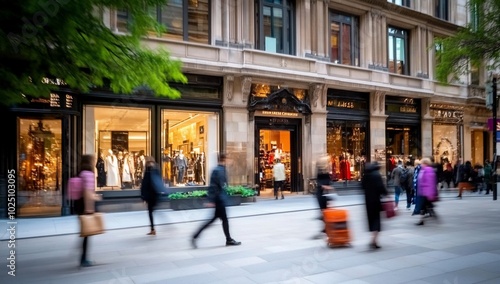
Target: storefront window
point(119, 137)
point(189, 146)
point(346, 145)
point(39, 167)
point(403, 144)
point(445, 143)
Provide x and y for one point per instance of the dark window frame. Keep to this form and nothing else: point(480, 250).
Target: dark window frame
point(442, 9)
point(185, 20)
point(289, 25)
point(401, 34)
point(338, 17)
point(405, 3)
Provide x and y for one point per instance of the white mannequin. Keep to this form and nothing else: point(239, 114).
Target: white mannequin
point(112, 178)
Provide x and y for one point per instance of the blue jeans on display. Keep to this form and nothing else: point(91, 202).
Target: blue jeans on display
point(397, 192)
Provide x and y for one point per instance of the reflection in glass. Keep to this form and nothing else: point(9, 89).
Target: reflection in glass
point(346, 145)
point(119, 137)
point(186, 140)
point(39, 187)
point(445, 143)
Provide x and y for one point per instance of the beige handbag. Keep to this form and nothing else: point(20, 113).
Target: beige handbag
point(91, 224)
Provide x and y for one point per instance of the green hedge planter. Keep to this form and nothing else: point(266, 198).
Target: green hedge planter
point(197, 199)
point(199, 202)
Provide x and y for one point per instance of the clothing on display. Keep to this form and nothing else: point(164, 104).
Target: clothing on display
point(182, 165)
point(101, 172)
point(112, 178)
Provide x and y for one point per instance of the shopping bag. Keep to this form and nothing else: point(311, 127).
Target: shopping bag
point(91, 224)
point(388, 207)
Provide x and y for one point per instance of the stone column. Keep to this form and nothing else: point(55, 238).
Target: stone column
point(426, 128)
point(238, 134)
point(314, 132)
point(377, 131)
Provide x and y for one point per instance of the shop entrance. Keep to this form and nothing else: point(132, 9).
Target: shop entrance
point(40, 167)
point(277, 139)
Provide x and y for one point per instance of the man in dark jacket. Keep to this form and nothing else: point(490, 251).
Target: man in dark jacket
point(217, 197)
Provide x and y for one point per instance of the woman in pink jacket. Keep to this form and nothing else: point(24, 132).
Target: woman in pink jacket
point(427, 189)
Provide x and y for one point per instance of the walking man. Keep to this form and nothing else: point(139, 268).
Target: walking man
point(395, 176)
point(217, 196)
point(279, 178)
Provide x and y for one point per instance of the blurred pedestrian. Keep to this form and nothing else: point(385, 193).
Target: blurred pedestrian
point(86, 204)
point(466, 178)
point(487, 176)
point(279, 176)
point(416, 172)
point(149, 192)
point(323, 169)
point(396, 179)
point(427, 189)
point(217, 196)
point(374, 190)
point(407, 184)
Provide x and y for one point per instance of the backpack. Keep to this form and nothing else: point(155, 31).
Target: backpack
point(75, 188)
point(404, 176)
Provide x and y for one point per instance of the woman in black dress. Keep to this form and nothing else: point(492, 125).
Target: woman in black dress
point(374, 189)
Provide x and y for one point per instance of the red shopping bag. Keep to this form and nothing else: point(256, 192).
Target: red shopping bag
point(388, 207)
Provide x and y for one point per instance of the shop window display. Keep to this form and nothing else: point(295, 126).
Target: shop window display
point(39, 161)
point(346, 145)
point(187, 138)
point(403, 144)
point(120, 139)
point(274, 145)
point(445, 141)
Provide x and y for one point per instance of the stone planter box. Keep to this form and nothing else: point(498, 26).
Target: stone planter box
point(248, 199)
point(199, 202)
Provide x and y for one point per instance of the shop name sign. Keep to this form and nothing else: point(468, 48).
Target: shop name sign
point(280, 113)
point(58, 101)
point(408, 109)
point(448, 114)
point(340, 104)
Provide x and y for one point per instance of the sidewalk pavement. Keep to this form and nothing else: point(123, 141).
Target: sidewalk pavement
point(53, 226)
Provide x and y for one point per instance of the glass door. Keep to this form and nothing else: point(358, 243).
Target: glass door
point(39, 160)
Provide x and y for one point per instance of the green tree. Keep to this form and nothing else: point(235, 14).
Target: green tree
point(476, 44)
point(68, 40)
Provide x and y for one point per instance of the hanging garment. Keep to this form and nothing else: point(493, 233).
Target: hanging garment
point(112, 178)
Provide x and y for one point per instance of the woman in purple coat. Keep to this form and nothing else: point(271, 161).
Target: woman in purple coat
point(427, 189)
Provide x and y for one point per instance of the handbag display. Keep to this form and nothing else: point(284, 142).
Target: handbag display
point(388, 207)
point(91, 224)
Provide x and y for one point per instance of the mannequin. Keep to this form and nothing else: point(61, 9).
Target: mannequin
point(202, 167)
point(112, 178)
point(101, 171)
point(126, 173)
point(140, 167)
point(182, 164)
point(120, 168)
point(129, 159)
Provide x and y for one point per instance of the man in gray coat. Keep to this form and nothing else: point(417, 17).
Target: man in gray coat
point(395, 176)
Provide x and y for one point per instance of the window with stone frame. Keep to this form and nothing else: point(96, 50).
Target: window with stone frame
point(397, 49)
point(405, 3)
point(442, 9)
point(275, 26)
point(344, 38)
point(186, 20)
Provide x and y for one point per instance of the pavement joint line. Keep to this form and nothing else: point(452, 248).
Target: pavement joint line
point(200, 220)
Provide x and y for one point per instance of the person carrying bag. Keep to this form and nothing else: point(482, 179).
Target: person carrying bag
point(91, 223)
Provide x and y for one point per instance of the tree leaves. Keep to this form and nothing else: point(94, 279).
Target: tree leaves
point(473, 45)
point(68, 40)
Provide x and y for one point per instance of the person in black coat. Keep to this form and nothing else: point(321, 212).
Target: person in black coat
point(148, 192)
point(374, 189)
point(217, 197)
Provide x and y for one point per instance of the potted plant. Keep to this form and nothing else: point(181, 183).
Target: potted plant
point(247, 194)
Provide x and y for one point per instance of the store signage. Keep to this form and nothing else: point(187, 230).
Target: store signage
point(408, 109)
point(54, 101)
point(278, 121)
point(447, 114)
point(280, 113)
point(490, 124)
point(340, 103)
